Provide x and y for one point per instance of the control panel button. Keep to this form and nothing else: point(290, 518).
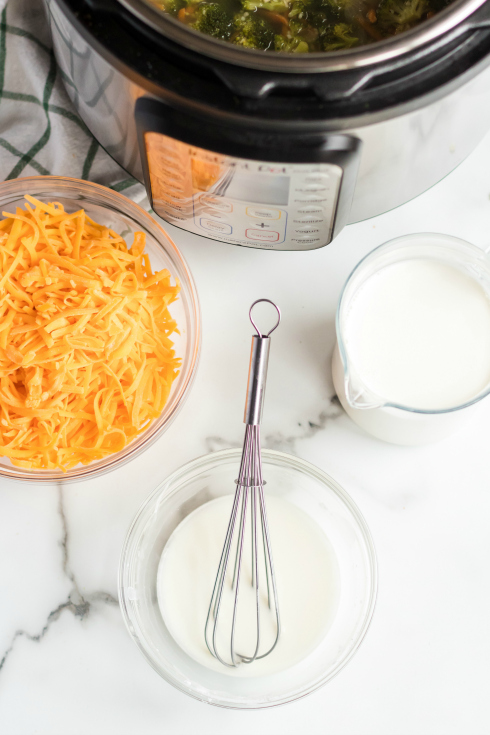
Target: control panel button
point(213, 226)
point(308, 221)
point(306, 238)
point(262, 235)
point(317, 179)
point(310, 209)
point(216, 203)
point(219, 216)
point(263, 213)
point(309, 199)
point(172, 208)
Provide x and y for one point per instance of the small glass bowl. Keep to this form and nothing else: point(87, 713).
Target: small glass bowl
point(125, 217)
point(213, 476)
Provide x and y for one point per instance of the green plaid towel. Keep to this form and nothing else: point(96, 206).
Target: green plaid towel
point(40, 132)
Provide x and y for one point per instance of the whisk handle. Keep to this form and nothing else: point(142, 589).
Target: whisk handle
point(257, 376)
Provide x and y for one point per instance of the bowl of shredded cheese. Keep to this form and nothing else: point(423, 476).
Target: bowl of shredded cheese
point(99, 329)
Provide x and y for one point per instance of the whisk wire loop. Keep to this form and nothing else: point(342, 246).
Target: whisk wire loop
point(249, 498)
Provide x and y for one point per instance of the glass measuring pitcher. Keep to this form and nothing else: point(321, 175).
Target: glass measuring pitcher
point(385, 419)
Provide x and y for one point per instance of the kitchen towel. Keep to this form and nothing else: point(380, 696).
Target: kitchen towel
point(40, 131)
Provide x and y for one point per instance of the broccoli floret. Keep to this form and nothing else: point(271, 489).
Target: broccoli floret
point(395, 16)
point(339, 6)
point(252, 32)
point(213, 20)
point(173, 6)
point(321, 23)
point(293, 45)
point(308, 21)
point(315, 11)
point(340, 36)
point(343, 9)
point(301, 10)
point(274, 6)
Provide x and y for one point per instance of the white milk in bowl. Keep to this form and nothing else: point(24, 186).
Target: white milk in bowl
point(307, 574)
point(413, 338)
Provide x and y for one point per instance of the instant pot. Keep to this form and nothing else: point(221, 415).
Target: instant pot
point(270, 150)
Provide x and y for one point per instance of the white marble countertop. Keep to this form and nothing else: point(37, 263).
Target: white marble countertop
point(68, 666)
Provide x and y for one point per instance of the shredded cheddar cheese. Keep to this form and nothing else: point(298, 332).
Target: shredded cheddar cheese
point(86, 359)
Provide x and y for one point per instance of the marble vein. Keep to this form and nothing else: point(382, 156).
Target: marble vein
point(78, 604)
point(283, 442)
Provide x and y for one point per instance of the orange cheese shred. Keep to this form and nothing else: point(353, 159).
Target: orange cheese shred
point(86, 359)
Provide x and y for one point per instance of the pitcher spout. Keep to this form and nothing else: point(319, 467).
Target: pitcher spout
point(358, 396)
point(356, 393)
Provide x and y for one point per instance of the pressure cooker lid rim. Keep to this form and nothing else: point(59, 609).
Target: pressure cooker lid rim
point(452, 20)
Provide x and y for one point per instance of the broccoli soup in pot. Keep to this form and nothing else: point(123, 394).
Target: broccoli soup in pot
point(301, 26)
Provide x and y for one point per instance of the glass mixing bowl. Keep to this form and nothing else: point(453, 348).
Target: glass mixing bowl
point(125, 217)
point(213, 476)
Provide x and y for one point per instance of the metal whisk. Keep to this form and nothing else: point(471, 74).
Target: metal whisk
point(249, 499)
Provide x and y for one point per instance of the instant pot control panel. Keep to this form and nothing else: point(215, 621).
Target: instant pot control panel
point(251, 203)
point(268, 204)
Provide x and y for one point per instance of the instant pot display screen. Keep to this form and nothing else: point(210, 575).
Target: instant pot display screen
point(259, 188)
point(301, 26)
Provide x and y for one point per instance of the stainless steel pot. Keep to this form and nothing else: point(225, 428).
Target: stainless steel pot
point(271, 150)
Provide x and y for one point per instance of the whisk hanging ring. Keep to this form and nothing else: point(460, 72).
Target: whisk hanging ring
point(268, 301)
